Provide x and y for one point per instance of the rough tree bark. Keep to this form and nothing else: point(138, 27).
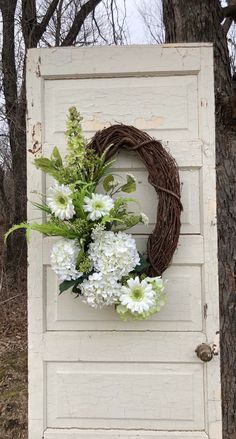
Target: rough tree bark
point(201, 21)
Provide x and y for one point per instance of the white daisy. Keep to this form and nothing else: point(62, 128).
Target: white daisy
point(144, 219)
point(137, 296)
point(98, 206)
point(99, 290)
point(63, 259)
point(59, 200)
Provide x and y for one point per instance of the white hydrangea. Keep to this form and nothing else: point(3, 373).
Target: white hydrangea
point(59, 200)
point(63, 259)
point(97, 231)
point(99, 290)
point(98, 206)
point(114, 254)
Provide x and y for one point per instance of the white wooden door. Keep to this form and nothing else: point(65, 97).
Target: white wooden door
point(90, 374)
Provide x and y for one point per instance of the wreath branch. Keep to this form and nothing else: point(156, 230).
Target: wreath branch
point(163, 176)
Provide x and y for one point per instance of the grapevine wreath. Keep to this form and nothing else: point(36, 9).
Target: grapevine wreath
point(95, 257)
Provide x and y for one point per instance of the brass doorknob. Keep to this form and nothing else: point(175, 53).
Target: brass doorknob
point(204, 352)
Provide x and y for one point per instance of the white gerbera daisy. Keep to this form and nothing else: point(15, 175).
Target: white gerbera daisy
point(98, 206)
point(59, 200)
point(144, 219)
point(63, 259)
point(99, 290)
point(137, 296)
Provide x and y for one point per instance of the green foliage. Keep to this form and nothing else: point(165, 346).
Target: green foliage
point(143, 265)
point(128, 221)
point(42, 207)
point(82, 165)
point(56, 157)
point(79, 228)
point(18, 227)
point(122, 202)
point(65, 285)
point(126, 315)
point(74, 284)
point(108, 182)
point(130, 185)
point(84, 265)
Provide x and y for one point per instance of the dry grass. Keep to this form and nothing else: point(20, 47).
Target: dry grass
point(13, 355)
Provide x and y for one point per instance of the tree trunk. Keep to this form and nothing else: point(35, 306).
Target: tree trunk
point(200, 21)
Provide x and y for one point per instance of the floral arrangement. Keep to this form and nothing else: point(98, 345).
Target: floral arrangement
point(94, 255)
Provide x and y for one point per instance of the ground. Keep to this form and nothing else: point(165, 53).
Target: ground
point(13, 357)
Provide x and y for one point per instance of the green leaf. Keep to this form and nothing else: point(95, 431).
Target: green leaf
point(80, 257)
point(42, 207)
point(56, 157)
point(122, 201)
point(43, 163)
point(128, 221)
point(130, 186)
point(65, 285)
point(54, 229)
point(107, 182)
point(14, 228)
point(48, 166)
point(144, 264)
point(49, 228)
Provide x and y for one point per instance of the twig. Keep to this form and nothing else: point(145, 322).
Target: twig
point(11, 298)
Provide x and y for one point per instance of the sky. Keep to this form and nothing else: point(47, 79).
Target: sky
point(134, 22)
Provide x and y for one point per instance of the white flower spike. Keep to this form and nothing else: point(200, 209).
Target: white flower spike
point(59, 200)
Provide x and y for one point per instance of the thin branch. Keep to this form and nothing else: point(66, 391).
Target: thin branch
point(79, 19)
point(58, 23)
point(98, 28)
point(41, 27)
point(11, 298)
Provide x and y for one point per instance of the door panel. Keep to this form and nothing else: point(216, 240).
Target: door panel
point(126, 393)
point(90, 374)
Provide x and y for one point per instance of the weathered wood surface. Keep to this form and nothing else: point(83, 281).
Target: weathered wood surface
point(90, 374)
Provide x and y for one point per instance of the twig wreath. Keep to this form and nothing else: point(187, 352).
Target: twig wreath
point(163, 175)
point(94, 257)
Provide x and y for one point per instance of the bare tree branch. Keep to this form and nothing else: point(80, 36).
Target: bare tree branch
point(41, 27)
point(77, 24)
point(58, 23)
